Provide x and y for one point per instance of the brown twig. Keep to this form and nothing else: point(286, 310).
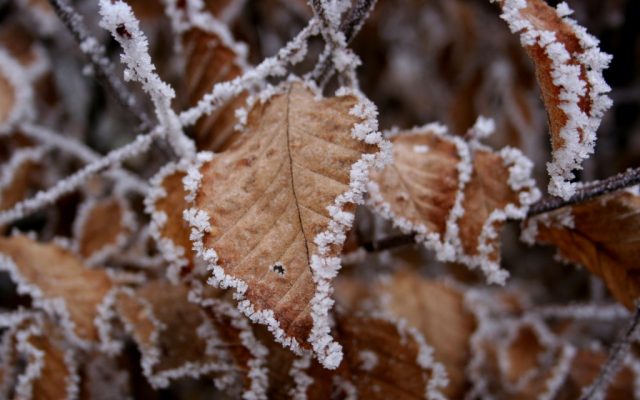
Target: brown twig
point(630, 177)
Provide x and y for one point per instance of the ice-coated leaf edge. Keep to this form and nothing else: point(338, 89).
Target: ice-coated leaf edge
point(128, 222)
point(17, 77)
point(324, 269)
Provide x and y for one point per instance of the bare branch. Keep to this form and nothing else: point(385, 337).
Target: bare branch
point(588, 191)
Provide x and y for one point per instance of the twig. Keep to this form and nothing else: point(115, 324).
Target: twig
point(103, 68)
point(613, 364)
point(71, 183)
point(588, 191)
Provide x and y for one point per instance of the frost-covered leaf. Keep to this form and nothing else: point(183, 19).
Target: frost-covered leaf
point(388, 359)
point(569, 69)
point(174, 336)
point(101, 228)
point(166, 203)
point(270, 214)
point(601, 235)
point(17, 175)
point(437, 310)
point(16, 93)
point(454, 195)
point(57, 282)
point(49, 370)
point(385, 358)
point(211, 56)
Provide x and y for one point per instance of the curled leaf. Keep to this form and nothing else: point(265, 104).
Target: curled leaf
point(454, 195)
point(569, 69)
point(270, 214)
point(17, 175)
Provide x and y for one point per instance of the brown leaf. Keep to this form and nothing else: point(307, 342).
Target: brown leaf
point(385, 359)
point(454, 195)
point(437, 310)
point(270, 214)
point(212, 56)
point(18, 176)
point(58, 282)
point(172, 334)
point(601, 235)
point(166, 203)
point(101, 228)
point(50, 370)
point(569, 69)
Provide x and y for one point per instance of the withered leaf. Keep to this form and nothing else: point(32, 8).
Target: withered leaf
point(270, 214)
point(212, 56)
point(437, 310)
point(166, 203)
point(172, 334)
point(569, 69)
point(50, 370)
point(17, 176)
point(454, 195)
point(101, 228)
point(58, 282)
point(601, 235)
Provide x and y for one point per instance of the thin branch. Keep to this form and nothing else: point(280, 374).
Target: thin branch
point(588, 191)
point(71, 183)
point(103, 68)
point(619, 351)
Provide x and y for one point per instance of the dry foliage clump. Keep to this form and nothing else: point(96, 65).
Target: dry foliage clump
point(235, 199)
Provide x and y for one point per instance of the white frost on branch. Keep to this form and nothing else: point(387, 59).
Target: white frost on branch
point(20, 84)
point(579, 131)
point(118, 18)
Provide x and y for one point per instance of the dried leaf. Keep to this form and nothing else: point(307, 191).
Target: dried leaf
point(16, 94)
point(569, 69)
point(454, 195)
point(166, 203)
point(101, 228)
point(437, 310)
point(601, 235)
point(212, 56)
point(50, 370)
point(58, 282)
point(385, 359)
point(172, 334)
point(270, 214)
point(18, 175)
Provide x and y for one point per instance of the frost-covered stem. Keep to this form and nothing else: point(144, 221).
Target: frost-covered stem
point(588, 191)
point(356, 18)
point(349, 28)
point(84, 153)
point(102, 67)
point(617, 356)
point(118, 18)
point(71, 183)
